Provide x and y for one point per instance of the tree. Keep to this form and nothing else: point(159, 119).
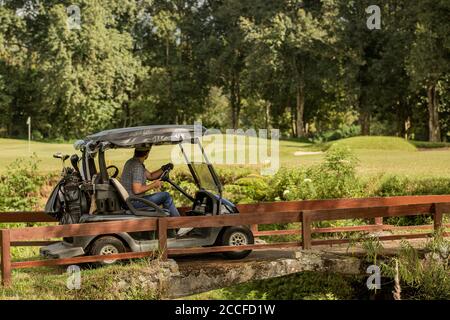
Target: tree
point(225, 49)
point(176, 86)
point(291, 44)
point(302, 66)
point(429, 60)
point(392, 97)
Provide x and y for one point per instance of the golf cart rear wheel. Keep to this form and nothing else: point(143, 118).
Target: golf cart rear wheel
point(105, 246)
point(237, 236)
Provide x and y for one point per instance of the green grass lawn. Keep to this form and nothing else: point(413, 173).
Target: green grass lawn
point(116, 282)
point(376, 155)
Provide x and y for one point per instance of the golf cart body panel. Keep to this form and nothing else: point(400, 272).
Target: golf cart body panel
point(80, 246)
point(112, 202)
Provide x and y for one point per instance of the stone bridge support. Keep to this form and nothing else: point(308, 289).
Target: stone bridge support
point(188, 276)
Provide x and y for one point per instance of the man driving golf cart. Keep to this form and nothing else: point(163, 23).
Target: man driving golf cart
point(89, 193)
point(134, 178)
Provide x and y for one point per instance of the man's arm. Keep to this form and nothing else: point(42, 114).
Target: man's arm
point(158, 173)
point(139, 188)
point(153, 175)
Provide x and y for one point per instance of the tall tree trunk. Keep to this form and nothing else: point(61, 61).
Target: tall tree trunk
point(127, 110)
point(433, 121)
point(364, 121)
point(400, 122)
point(291, 108)
point(233, 104)
point(267, 116)
point(407, 128)
point(364, 117)
point(238, 100)
point(235, 101)
point(299, 67)
point(300, 111)
point(293, 121)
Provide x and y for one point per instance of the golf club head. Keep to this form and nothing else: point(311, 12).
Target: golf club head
point(74, 161)
point(61, 156)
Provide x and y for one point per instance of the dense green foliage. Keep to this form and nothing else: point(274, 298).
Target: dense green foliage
point(430, 145)
point(334, 178)
point(19, 189)
point(311, 68)
point(423, 277)
point(302, 286)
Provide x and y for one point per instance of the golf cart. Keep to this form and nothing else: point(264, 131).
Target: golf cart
point(86, 195)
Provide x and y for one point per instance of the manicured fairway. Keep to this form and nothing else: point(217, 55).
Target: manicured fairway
point(405, 161)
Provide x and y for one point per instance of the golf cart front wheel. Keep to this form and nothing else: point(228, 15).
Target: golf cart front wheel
point(237, 236)
point(105, 246)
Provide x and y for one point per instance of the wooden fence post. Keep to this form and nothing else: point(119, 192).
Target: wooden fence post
point(254, 229)
point(306, 230)
point(379, 222)
point(5, 257)
point(162, 237)
point(437, 217)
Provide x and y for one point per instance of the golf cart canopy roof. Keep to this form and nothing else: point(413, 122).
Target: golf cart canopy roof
point(146, 135)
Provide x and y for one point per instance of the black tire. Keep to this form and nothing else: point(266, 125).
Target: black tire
point(232, 236)
point(106, 245)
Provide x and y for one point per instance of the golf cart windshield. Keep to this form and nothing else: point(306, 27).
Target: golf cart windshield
point(205, 177)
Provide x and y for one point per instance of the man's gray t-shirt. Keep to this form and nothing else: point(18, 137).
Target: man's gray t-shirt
point(133, 172)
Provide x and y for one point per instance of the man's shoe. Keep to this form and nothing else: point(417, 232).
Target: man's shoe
point(183, 231)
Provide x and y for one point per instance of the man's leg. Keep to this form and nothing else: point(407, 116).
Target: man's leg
point(164, 199)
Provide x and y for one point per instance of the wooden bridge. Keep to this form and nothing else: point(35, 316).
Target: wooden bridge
point(302, 213)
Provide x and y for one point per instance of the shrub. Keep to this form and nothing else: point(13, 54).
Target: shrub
point(390, 186)
point(393, 185)
point(430, 145)
point(19, 188)
point(37, 135)
point(335, 178)
point(248, 189)
point(345, 131)
point(424, 278)
point(301, 286)
point(290, 184)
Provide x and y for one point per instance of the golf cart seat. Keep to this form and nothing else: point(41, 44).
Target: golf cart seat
point(152, 209)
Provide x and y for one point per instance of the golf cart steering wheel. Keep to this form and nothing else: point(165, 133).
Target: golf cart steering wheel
point(116, 171)
point(165, 175)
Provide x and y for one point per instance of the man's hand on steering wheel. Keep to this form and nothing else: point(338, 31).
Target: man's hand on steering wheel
point(165, 169)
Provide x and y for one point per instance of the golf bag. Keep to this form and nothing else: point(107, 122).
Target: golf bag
point(68, 200)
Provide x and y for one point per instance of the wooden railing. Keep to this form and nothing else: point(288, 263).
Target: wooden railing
point(312, 205)
point(304, 213)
